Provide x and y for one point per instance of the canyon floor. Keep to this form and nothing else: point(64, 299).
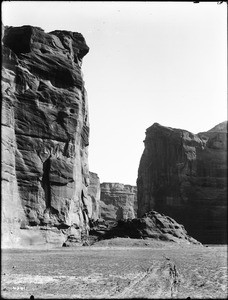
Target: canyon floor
point(116, 268)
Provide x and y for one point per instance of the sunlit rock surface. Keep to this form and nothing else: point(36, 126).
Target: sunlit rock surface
point(184, 176)
point(94, 192)
point(45, 136)
point(118, 201)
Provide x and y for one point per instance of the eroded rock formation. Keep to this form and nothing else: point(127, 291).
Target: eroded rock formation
point(118, 201)
point(153, 226)
point(184, 175)
point(45, 136)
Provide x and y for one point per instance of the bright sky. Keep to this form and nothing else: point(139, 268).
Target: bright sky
point(149, 62)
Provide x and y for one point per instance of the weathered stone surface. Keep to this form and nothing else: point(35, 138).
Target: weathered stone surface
point(94, 192)
point(118, 201)
point(152, 225)
point(184, 175)
point(45, 135)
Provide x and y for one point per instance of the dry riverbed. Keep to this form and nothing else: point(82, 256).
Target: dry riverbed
point(117, 268)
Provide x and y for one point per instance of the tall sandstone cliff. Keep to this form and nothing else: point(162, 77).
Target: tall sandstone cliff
point(184, 176)
point(45, 136)
point(93, 199)
point(118, 201)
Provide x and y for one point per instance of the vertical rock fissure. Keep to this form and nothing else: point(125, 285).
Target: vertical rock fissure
point(46, 185)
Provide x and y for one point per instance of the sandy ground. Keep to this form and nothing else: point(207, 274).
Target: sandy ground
point(118, 268)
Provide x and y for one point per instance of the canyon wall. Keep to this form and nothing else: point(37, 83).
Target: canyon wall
point(94, 193)
point(118, 201)
point(45, 137)
point(184, 176)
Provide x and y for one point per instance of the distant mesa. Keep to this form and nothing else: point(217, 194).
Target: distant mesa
point(118, 201)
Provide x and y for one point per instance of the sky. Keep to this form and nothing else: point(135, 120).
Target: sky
point(163, 62)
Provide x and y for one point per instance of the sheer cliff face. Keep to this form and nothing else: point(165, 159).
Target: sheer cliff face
point(94, 192)
point(45, 134)
point(185, 176)
point(118, 201)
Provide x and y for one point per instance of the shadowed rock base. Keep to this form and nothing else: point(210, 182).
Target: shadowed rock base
point(152, 226)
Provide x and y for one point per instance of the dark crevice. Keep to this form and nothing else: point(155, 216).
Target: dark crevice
point(53, 210)
point(61, 119)
point(55, 183)
point(84, 207)
point(61, 226)
point(62, 115)
point(66, 149)
point(46, 182)
point(41, 137)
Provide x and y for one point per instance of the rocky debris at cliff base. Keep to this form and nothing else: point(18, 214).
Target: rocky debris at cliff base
point(152, 225)
point(99, 229)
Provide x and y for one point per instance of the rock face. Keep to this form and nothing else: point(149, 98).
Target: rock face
point(45, 136)
point(154, 226)
point(184, 175)
point(118, 201)
point(94, 193)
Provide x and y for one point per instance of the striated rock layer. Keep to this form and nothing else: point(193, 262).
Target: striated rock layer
point(184, 175)
point(45, 136)
point(118, 201)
